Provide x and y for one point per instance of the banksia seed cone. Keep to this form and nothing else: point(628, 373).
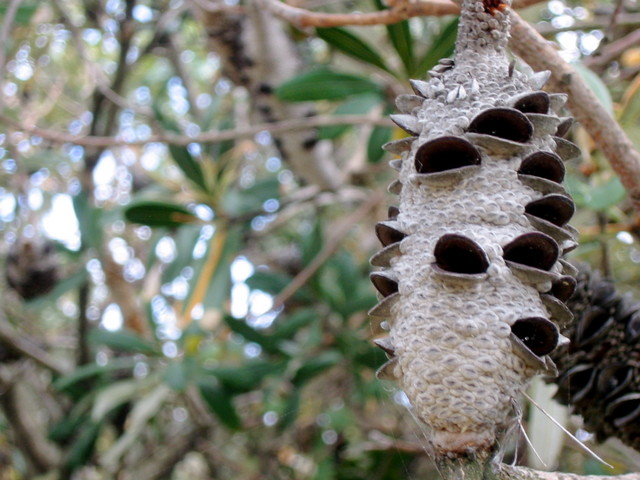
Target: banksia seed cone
point(470, 278)
point(32, 267)
point(599, 370)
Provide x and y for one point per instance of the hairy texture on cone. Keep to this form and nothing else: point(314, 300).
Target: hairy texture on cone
point(599, 372)
point(471, 256)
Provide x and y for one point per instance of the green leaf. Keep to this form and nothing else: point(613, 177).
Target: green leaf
point(219, 284)
point(158, 214)
point(606, 195)
point(250, 334)
point(268, 281)
point(379, 136)
point(315, 366)
point(83, 446)
point(247, 377)
point(630, 111)
point(400, 37)
point(287, 327)
point(289, 411)
point(442, 47)
point(351, 45)
point(87, 372)
point(23, 14)
point(324, 84)
point(312, 243)
point(121, 341)
point(596, 84)
point(88, 220)
point(176, 376)
point(358, 104)
point(189, 166)
point(237, 202)
point(221, 404)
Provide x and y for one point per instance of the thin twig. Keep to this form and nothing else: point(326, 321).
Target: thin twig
point(27, 347)
point(301, 17)
point(330, 247)
point(214, 136)
point(399, 11)
point(597, 121)
point(509, 472)
point(613, 50)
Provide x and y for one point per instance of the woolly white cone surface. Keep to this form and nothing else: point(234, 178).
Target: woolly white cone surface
point(450, 334)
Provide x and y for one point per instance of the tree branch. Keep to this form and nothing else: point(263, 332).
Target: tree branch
point(20, 343)
point(29, 435)
point(399, 11)
point(605, 131)
point(302, 18)
point(508, 472)
point(330, 247)
point(214, 136)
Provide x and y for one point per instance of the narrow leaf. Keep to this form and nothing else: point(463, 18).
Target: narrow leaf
point(351, 45)
point(315, 366)
point(88, 220)
point(86, 372)
point(379, 136)
point(400, 37)
point(158, 214)
point(630, 111)
point(189, 166)
point(596, 84)
point(122, 341)
point(221, 404)
point(83, 446)
point(250, 334)
point(324, 84)
point(358, 104)
point(606, 195)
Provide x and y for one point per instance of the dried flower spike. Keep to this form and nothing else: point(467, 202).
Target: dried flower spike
point(471, 282)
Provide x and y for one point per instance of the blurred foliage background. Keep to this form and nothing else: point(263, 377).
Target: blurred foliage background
point(186, 265)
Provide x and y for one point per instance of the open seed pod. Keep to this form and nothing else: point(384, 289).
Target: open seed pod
point(445, 161)
point(555, 209)
point(538, 334)
point(563, 288)
point(384, 283)
point(564, 127)
point(458, 254)
point(614, 379)
point(534, 249)
point(387, 371)
point(543, 165)
point(531, 102)
point(592, 326)
point(624, 410)
point(505, 123)
point(387, 233)
point(576, 383)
